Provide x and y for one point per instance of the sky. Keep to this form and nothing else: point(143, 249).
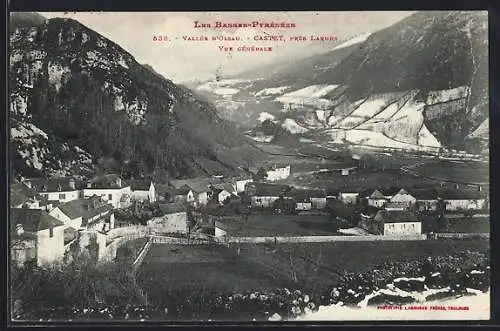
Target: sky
point(181, 60)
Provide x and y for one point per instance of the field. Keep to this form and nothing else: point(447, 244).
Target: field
point(172, 270)
point(359, 180)
point(282, 225)
point(469, 225)
point(460, 172)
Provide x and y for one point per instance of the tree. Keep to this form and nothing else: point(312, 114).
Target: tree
point(261, 174)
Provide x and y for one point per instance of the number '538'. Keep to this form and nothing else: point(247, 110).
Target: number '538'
point(160, 38)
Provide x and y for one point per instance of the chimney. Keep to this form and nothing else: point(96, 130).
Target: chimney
point(89, 185)
point(119, 182)
point(480, 188)
point(72, 183)
point(456, 187)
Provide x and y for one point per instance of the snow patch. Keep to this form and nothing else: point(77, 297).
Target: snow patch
point(482, 131)
point(225, 91)
point(353, 41)
point(272, 91)
point(426, 138)
point(308, 96)
point(265, 116)
point(292, 126)
point(447, 95)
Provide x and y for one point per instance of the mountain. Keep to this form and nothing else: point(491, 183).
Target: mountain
point(421, 83)
point(25, 20)
point(77, 98)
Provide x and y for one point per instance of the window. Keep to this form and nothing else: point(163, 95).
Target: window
point(62, 196)
point(51, 232)
point(110, 196)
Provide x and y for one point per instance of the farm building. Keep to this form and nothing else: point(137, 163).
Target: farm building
point(55, 189)
point(301, 199)
point(199, 185)
point(403, 198)
point(393, 223)
point(35, 235)
point(284, 206)
point(377, 199)
point(348, 197)
point(241, 182)
point(143, 190)
point(111, 188)
point(184, 194)
point(275, 172)
point(223, 192)
point(392, 205)
point(21, 196)
point(264, 195)
point(91, 213)
point(174, 219)
point(461, 200)
point(426, 198)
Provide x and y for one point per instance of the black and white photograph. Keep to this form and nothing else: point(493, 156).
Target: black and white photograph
point(248, 166)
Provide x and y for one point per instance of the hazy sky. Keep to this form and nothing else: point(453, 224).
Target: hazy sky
point(181, 60)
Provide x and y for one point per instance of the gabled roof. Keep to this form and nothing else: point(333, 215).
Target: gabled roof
point(20, 193)
point(197, 184)
point(269, 190)
point(184, 190)
point(396, 216)
point(370, 211)
point(53, 184)
point(172, 208)
point(32, 220)
point(377, 195)
point(390, 191)
point(224, 187)
point(84, 208)
point(303, 194)
point(140, 184)
point(109, 181)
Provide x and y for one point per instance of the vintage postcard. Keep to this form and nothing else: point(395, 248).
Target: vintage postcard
point(249, 166)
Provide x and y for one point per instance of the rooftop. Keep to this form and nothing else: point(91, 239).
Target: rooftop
point(302, 194)
point(53, 184)
point(172, 208)
point(85, 208)
point(396, 216)
point(269, 190)
point(109, 181)
point(32, 220)
point(140, 184)
point(424, 193)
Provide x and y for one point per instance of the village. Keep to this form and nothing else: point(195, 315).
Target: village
point(51, 217)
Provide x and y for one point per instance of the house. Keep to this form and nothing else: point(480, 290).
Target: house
point(241, 182)
point(369, 213)
point(348, 197)
point(143, 190)
point(404, 198)
point(394, 223)
point(222, 192)
point(462, 199)
point(199, 185)
point(174, 218)
point(35, 236)
point(111, 188)
point(92, 213)
point(184, 194)
point(265, 194)
point(301, 199)
point(393, 205)
point(284, 206)
point(377, 199)
point(427, 198)
point(55, 189)
point(318, 198)
point(21, 196)
point(275, 172)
